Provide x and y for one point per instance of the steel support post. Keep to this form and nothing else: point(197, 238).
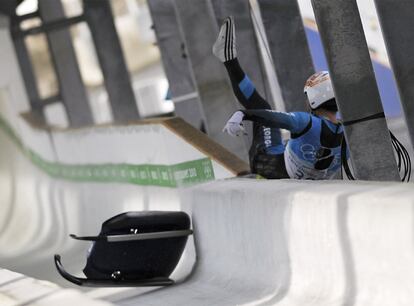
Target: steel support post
point(199, 29)
point(175, 62)
point(53, 25)
point(72, 89)
point(4, 20)
point(397, 24)
point(99, 17)
point(356, 90)
point(8, 7)
point(26, 69)
point(289, 49)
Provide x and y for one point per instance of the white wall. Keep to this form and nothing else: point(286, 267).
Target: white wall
point(17, 289)
point(298, 243)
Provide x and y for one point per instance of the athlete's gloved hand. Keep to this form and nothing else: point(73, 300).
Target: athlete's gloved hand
point(234, 125)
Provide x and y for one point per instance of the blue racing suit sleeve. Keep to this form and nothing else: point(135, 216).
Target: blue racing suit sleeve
point(295, 122)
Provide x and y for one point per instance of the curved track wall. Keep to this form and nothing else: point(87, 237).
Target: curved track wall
point(297, 243)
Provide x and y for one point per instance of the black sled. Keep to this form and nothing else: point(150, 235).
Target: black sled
point(133, 249)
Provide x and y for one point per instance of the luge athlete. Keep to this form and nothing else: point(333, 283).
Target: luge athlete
point(314, 149)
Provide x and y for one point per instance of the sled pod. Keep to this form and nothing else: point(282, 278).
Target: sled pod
point(134, 249)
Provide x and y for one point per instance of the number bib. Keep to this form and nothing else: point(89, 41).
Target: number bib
point(299, 169)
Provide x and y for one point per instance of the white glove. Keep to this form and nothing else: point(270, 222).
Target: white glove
point(234, 125)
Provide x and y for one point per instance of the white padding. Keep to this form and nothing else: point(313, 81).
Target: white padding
point(17, 289)
point(298, 243)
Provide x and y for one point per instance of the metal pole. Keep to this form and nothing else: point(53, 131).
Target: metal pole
point(8, 7)
point(53, 25)
point(289, 49)
point(108, 47)
point(356, 90)
point(199, 29)
point(72, 89)
point(26, 69)
point(175, 62)
point(397, 23)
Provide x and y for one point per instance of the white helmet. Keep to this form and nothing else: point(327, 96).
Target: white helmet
point(318, 89)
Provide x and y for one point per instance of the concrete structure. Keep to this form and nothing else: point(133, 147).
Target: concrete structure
point(11, 83)
point(71, 87)
point(396, 19)
point(175, 61)
point(356, 91)
point(8, 7)
point(288, 48)
point(99, 17)
point(26, 69)
point(213, 86)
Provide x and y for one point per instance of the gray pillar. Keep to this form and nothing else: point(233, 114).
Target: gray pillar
point(175, 62)
point(72, 89)
point(288, 48)
point(356, 90)
point(248, 53)
point(108, 47)
point(397, 24)
point(4, 21)
point(8, 7)
point(200, 30)
point(26, 69)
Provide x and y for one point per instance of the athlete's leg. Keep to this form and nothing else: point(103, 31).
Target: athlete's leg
point(225, 49)
point(266, 154)
point(243, 87)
